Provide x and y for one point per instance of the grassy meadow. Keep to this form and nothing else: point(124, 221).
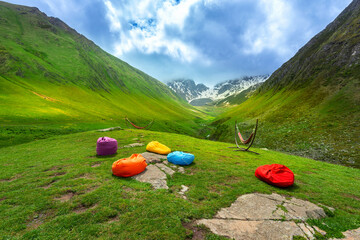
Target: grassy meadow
point(58, 188)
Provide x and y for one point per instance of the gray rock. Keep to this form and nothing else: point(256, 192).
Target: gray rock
point(134, 145)
point(353, 234)
point(253, 230)
point(153, 157)
point(256, 216)
point(322, 232)
point(181, 170)
point(166, 169)
point(154, 176)
point(109, 129)
point(183, 190)
point(270, 207)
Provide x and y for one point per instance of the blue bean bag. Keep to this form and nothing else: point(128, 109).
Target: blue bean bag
point(180, 158)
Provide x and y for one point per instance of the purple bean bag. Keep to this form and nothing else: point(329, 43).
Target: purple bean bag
point(106, 146)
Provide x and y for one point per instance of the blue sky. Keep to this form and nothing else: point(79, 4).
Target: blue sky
point(206, 40)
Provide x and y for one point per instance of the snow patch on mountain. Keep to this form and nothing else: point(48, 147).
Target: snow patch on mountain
point(191, 91)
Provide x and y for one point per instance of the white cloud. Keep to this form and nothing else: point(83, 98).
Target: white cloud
point(144, 25)
point(271, 34)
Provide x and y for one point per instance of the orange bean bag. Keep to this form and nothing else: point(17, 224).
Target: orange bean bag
point(157, 147)
point(127, 167)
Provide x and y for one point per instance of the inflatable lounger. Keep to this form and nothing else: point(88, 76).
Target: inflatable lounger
point(127, 167)
point(106, 146)
point(275, 174)
point(180, 158)
point(157, 147)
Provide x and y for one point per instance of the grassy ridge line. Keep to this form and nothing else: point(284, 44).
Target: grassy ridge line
point(34, 174)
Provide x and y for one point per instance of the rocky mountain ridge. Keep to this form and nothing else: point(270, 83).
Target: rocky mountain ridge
point(199, 94)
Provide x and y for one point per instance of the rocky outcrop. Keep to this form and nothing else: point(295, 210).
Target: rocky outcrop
point(261, 216)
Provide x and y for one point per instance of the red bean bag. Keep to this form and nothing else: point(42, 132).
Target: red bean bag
point(127, 167)
point(275, 174)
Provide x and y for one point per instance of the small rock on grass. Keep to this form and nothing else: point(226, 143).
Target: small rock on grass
point(153, 157)
point(134, 145)
point(154, 176)
point(166, 169)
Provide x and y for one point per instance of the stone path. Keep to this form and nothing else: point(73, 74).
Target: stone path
point(153, 157)
point(351, 235)
point(261, 216)
point(155, 172)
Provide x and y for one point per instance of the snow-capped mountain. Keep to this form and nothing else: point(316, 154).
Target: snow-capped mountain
point(199, 93)
point(187, 89)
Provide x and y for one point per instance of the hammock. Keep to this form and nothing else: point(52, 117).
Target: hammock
point(241, 138)
point(127, 120)
point(249, 140)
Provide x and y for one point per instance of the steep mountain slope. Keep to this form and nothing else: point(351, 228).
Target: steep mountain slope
point(238, 98)
point(199, 94)
point(50, 73)
point(311, 105)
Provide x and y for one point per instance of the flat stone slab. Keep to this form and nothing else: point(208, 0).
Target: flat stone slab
point(166, 169)
point(253, 230)
point(153, 157)
point(258, 206)
point(353, 234)
point(134, 145)
point(154, 176)
point(263, 216)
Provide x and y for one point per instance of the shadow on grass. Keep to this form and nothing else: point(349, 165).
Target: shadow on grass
point(106, 156)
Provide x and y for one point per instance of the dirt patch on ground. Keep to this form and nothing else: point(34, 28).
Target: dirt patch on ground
point(82, 208)
point(90, 189)
point(45, 97)
point(96, 164)
point(85, 176)
point(58, 174)
point(113, 219)
point(50, 184)
point(38, 218)
point(92, 156)
point(194, 231)
point(66, 197)
point(17, 176)
point(2, 199)
point(348, 195)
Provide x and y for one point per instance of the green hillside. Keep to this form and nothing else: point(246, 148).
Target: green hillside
point(311, 105)
point(58, 188)
point(52, 76)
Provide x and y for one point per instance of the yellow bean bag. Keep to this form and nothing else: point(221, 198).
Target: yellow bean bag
point(157, 147)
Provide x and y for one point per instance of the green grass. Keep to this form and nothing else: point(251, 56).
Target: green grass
point(310, 106)
point(55, 81)
point(309, 122)
point(34, 175)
